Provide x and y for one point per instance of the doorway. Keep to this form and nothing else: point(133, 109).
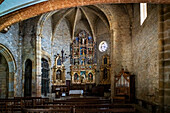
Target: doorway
point(4, 77)
point(28, 79)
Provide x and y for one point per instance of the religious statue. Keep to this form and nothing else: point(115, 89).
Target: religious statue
point(90, 77)
point(105, 73)
point(75, 77)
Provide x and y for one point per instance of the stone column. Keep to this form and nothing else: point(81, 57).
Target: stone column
point(164, 58)
point(11, 81)
point(38, 64)
point(161, 77)
point(112, 61)
point(20, 62)
point(20, 66)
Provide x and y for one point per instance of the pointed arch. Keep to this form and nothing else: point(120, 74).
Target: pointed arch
point(12, 69)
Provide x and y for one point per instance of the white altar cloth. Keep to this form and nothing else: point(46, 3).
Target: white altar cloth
point(75, 92)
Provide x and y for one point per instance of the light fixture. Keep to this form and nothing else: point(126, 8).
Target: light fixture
point(63, 56)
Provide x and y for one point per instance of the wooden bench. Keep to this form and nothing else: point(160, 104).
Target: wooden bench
point(83, 100)
point(27, 110)
point(7, 105)
point(105, 106)
point(18, 103)
point(106, 110)
point(32, 101)
point(88, 108)
point(54, 106)
point(119, 99)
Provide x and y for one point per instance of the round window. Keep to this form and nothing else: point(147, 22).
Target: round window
point(103, 46)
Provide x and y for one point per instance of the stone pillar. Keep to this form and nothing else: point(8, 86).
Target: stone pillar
point(161, 77)
point(11, 87)
point(38, 65)
point(20, 68)
point(112, 61)
point(164, 58)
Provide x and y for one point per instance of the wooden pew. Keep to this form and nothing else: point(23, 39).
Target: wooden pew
point(7, 105)
point(119, 99)
point(122, 108)
point(106, 110)
point(80, 100)
point(18, 103)
point(26, 110)
point(104, 106)
point(32, 101)
point(54, 106)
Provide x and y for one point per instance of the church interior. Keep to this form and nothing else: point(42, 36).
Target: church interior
point(82, 56)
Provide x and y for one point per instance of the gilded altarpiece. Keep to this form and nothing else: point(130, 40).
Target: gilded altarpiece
point(105, 70)
point(58, 72)
point(82, 59)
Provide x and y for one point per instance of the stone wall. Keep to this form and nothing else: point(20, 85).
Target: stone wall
point(10, 40)
point(145, 54)
point(27, 41)
point(121, 50)
point(102, 34)
point(46, 36)
point(62, 40)
point(120, 38)
point(164, 57)
point(53, 43)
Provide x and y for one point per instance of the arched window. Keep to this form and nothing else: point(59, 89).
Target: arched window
point(45, 77)
point(82, 59)
point(143, 12)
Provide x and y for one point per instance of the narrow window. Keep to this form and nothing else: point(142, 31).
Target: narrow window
point(143, 12)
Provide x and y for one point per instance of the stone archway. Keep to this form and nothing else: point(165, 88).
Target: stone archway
point(51, 5)
point(11, 70)
point(4, 77)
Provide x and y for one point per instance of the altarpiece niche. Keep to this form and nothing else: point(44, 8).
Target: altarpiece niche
point(105, 70)
point(58, 72)
point(82, 59)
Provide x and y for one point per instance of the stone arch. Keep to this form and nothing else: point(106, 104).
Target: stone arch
point(46, 56)
point(51, 5)
point(40, 24)
point(12, 69)
point(39, 52)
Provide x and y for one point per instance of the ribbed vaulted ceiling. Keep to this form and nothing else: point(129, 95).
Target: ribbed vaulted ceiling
point(87, 14)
